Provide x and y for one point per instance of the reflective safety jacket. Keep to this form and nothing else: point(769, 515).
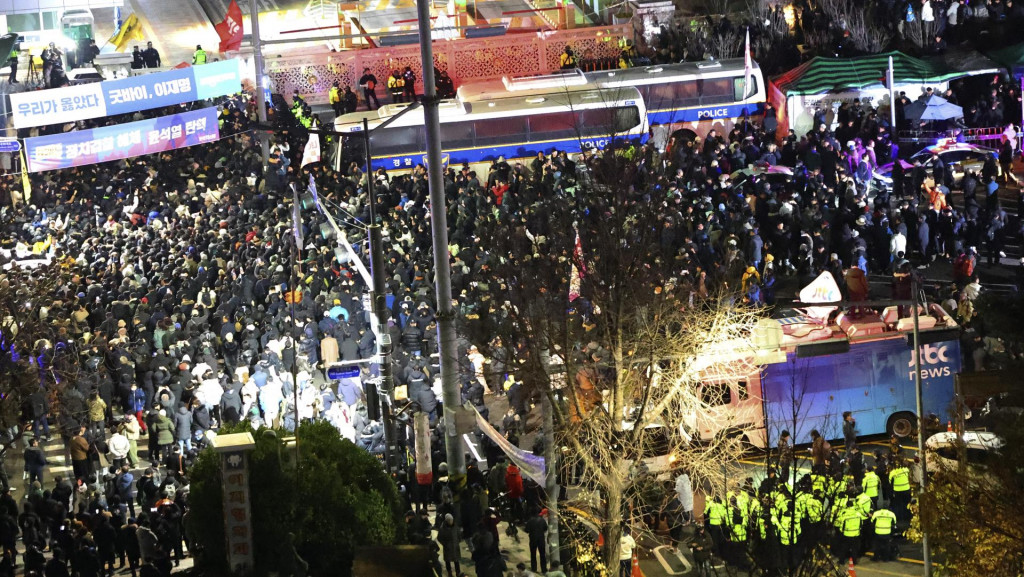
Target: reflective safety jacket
point(871, 484)
point(884, 520)
point(900, 479)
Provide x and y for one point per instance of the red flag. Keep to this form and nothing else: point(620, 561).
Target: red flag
point(230, 30)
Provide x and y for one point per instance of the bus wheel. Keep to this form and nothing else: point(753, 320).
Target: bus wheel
point(901, 424)
point(684, 135)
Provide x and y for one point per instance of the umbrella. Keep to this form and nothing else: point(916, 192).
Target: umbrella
point(932, 108)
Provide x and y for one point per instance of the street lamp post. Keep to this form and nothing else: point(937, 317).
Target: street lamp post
point(920, 418)
point(257, 59)
point(447, 338)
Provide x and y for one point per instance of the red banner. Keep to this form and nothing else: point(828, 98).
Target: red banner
point(230, 30)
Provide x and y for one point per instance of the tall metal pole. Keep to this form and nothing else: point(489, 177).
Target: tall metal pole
point(446, 336)
point(257, 59)
point(295, 334)
point(379, 305)
point(920, 417)
point(890, 80)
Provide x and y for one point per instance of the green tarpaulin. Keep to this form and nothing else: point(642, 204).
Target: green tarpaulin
point(1012, 57)
point(6, 44)
point(821, 75)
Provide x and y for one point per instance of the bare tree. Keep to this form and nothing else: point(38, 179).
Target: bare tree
point(634, 347)
point(37, 351)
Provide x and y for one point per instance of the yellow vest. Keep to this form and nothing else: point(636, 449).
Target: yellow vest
point(871, 483)
point(900, 479)
point(715, 513)
point(788, 530)
point(334, 96)
point(849, 522)
point(884, 520)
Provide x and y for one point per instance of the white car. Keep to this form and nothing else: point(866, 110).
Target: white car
point(980, 448)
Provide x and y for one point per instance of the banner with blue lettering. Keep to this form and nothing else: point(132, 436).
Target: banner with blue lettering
point(125, 95)
point(120, 141)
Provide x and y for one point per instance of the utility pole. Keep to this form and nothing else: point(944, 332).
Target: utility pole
point(920, 417)
point(257, 59)
point(379, 304)
point(446, 336)
point(890, 79)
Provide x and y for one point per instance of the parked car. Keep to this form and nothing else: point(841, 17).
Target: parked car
point(958, 158)
point(777, 176)
point(980, 448)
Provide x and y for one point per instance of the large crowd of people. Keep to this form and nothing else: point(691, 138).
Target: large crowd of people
point(183, 302)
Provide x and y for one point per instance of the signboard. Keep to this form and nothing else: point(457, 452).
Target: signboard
point(125, 95)
point(344, 372)
point(233, 449)
point(120, 141)
point(9, 145)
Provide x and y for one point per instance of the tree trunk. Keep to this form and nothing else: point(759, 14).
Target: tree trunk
point(551, 457)
point(613, 520)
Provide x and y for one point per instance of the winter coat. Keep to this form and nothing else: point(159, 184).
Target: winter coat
point(163, 428)
point(183, 424)
point(118, 446)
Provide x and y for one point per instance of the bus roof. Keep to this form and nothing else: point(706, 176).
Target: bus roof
point(534, 103)
point(659, 73)
point(862, 324)
point(573, 80)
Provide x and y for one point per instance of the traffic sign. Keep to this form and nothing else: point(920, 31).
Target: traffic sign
point(343, 372)
point(9, 145)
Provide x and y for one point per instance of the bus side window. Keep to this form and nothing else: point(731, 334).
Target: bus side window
point(626, 117)
point(741, 390)
point(552, 126)
point(715, 394)
point(739, 89)
point(457, 134)
point(497, 130)
point(397, 140)
point(717, 91)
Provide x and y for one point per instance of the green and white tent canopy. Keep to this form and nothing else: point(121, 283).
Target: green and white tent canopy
point(822, 75)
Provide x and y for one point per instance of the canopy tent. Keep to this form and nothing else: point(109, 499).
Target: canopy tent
point(933, 108)
point(834, 80)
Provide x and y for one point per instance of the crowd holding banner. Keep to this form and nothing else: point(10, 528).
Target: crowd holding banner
point(122, 140)
point(125, 95)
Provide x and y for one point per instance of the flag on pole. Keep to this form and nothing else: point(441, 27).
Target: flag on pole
point(296, 217)
point(117, 19)
point(26, 185)
point(312, 189)
point(230, 30)
point(748, 67)
point(130, 30)
point(575, 274)
point(311, 153)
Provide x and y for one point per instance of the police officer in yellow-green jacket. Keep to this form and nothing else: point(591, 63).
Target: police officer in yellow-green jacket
point(199, 56)
point(788, 529)
point(736, 523)
point(12, 61)
point(864, 505)
point(899, 478)
point(884, 523)
point(848, 523)
point(714, 521)
point(871, 485)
